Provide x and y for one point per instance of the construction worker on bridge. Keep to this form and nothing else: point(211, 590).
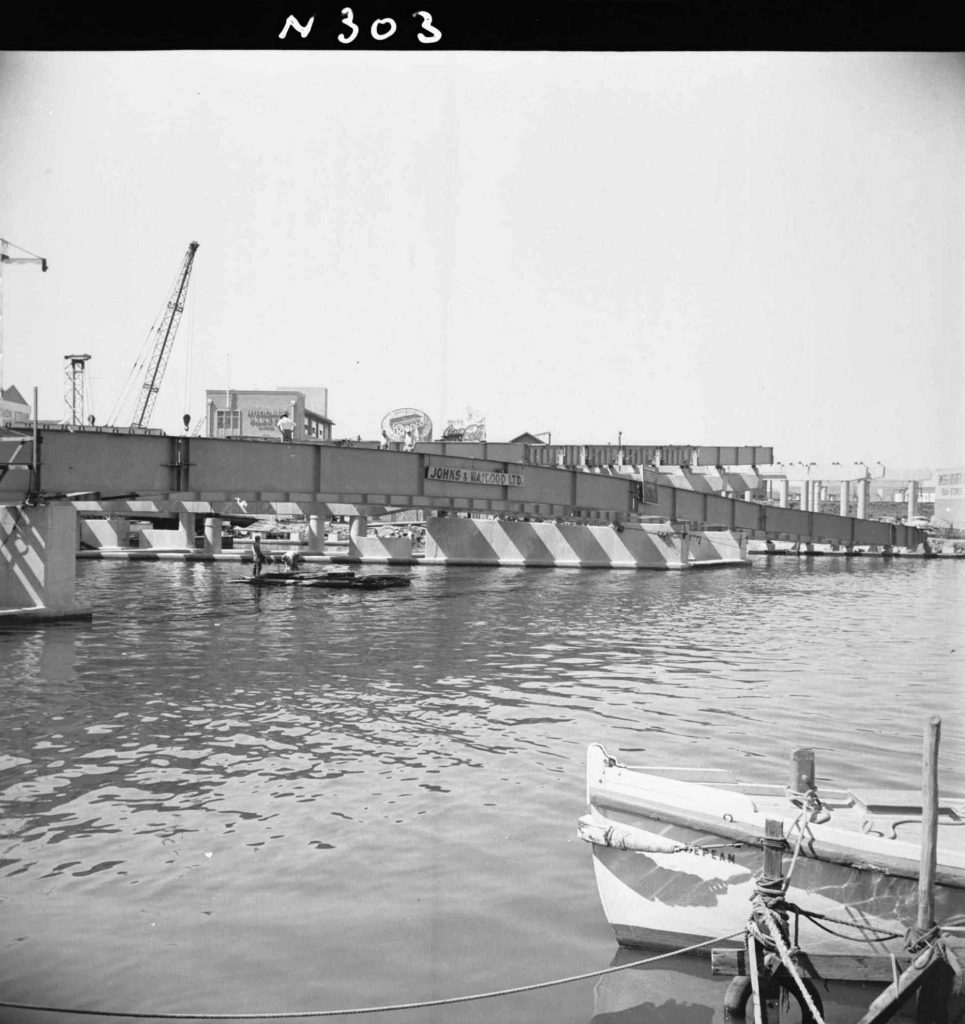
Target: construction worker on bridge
point(286, 427)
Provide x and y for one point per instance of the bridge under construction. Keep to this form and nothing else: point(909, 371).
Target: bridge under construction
point(658, 507)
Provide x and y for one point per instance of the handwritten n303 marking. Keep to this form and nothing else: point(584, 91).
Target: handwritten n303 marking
point(380, 29)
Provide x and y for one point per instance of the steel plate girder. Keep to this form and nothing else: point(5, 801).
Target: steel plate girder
point(212, 471)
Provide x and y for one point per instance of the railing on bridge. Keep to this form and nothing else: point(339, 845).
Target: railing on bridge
point(591, 456)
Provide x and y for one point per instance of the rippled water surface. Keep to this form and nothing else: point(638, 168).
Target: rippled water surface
point(222, 800)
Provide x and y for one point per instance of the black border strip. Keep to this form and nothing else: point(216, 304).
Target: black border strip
point(522, 25)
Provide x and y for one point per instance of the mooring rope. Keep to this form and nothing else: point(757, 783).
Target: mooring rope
point(811, 803)
point(800, 823)
point(880, 934)
point(788, 960)
point(294, 1014)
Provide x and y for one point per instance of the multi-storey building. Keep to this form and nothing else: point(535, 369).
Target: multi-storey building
point(236, 413)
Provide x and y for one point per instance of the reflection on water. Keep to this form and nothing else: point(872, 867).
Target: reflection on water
point(682, 990)
point(293, 799)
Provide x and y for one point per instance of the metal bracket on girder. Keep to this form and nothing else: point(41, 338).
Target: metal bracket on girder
point(182, 463)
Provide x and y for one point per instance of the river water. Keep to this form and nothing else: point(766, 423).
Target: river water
point(222, 800)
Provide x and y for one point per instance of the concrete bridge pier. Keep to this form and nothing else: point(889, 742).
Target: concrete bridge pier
point(912, 498)
point(864, 492)
point(362, 548)
point(316, 535)
point(212, 536)
point(358, 527)
point(783, 488)
point(38, 547)
point(454, 541)
point(844, 508)
point(112, 532)
point(181, 539)
point(186, 529)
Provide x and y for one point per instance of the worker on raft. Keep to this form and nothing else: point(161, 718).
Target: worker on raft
point(257, 556)
point(291, 560)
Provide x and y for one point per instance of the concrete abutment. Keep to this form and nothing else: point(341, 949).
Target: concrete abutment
point(38, 550)
point(451, 541)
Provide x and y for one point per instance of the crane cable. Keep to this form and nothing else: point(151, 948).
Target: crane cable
point(136, 381)
point(189, 355)
point(133, 382)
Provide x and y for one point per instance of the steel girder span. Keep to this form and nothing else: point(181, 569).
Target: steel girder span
point(213, 474)
point(113, 465)
point(770, 522)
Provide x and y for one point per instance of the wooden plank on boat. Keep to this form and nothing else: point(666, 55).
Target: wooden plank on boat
point(824, 967)
point(745, 832)
point(895, 801)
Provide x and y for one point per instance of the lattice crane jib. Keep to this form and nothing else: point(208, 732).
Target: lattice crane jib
point(5, 258)
point(164, 338)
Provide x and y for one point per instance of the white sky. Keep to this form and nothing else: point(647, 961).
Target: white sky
point(730, 248)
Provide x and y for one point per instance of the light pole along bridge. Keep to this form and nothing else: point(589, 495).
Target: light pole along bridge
point(531, 514)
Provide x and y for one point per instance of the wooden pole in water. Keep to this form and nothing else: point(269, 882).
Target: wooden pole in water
point(802, 770)
point(929, 824)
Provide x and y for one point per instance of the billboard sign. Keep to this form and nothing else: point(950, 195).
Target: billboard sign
point(464, 475)
point(464, 430)
point(397, 422)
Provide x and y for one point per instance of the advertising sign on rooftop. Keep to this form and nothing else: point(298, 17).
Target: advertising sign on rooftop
point(399, 421)
point(465, 430)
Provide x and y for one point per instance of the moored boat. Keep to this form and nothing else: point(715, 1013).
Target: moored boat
point(677, 854)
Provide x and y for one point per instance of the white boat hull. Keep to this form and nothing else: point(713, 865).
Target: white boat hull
point(702, 891)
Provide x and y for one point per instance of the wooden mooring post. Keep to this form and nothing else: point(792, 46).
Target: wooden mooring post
point(929, 973)
point(802, 771)
point(766, 973)
point(929, 825)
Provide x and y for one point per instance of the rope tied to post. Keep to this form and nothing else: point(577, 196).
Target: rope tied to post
point(916, 939)
point(811, 806)
point(769, 923)
point(768, 928)
point(776, 938)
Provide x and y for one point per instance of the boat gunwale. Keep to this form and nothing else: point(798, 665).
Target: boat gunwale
point(815, 848)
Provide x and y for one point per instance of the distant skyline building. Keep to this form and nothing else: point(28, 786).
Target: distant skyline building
point(950, 496)
point(14, 409)
point(246, 413)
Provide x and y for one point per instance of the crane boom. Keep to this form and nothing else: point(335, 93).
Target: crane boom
point(5, 257)
point(164, 335)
